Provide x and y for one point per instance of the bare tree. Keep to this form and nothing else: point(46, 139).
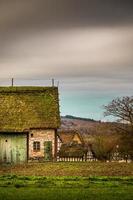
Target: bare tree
point(122, 108)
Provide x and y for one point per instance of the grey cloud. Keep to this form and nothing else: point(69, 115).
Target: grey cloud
point(66, 38)
point(70, 52)
point(19, 17)
point(96, 84)
point(50, 12)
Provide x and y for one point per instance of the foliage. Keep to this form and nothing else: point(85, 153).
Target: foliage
point(103, 146)
point(126, 146)
point(103, 141)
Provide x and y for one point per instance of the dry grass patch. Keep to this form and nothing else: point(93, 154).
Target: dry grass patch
point(69, 169)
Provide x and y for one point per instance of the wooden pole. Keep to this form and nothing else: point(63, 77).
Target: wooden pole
point(52, 82)
point(12, 82)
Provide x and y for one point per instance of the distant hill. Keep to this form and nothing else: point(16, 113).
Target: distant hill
point(85, 126)
point(80, 118)
point(73, 122)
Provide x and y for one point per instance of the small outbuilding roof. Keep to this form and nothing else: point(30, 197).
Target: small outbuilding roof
point(72, 150)
point(67, 136)
point(24, 108)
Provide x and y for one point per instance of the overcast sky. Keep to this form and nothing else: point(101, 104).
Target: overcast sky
point(87, 45)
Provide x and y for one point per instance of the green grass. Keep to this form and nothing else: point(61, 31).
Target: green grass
point(67, 181)
point(72, 188)
point(64, 181)
point(66, 194)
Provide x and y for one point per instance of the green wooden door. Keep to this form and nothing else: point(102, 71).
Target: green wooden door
point(48, 150)
point(5, 149)
point(13, 148)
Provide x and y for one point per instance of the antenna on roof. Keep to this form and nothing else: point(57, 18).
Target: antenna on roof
point(52, 82)
point(12, 82)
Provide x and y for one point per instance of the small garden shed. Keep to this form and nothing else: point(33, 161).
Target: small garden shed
point(29, 118)
point(69, 136)
point(71, 146)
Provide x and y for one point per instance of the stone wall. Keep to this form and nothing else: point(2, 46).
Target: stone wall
point(41, 135)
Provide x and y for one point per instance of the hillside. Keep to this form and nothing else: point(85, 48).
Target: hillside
point(78, 123)
point(86, 127)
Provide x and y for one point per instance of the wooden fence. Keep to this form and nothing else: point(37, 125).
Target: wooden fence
point(86, 157)
point(89, 158)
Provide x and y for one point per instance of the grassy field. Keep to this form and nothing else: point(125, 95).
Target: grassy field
point(66, 194)
point(54, 188)
point(67, 181)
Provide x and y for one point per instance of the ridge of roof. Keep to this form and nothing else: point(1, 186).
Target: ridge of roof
point(8, 89)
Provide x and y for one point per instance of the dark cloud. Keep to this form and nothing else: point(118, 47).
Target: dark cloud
point(22, 16)
point(66, 38)
point(17, 14)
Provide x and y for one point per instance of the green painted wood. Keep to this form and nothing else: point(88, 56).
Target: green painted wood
point(13, 148)
point(48, 150)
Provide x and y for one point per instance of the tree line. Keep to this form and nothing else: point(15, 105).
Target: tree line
point(118, 136)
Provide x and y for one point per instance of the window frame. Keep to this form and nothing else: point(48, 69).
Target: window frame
point(36, 146)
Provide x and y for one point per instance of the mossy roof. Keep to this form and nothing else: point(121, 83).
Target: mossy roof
point(67, 136)
point(24, 108)
point(72, 150)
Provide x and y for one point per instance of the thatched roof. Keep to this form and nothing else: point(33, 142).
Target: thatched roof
point(72, 150)
point(23, 108)
point(67, 136)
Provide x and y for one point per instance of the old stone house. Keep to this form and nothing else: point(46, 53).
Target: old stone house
point(29, 118)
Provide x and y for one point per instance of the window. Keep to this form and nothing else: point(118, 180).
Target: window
point(36, 146)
